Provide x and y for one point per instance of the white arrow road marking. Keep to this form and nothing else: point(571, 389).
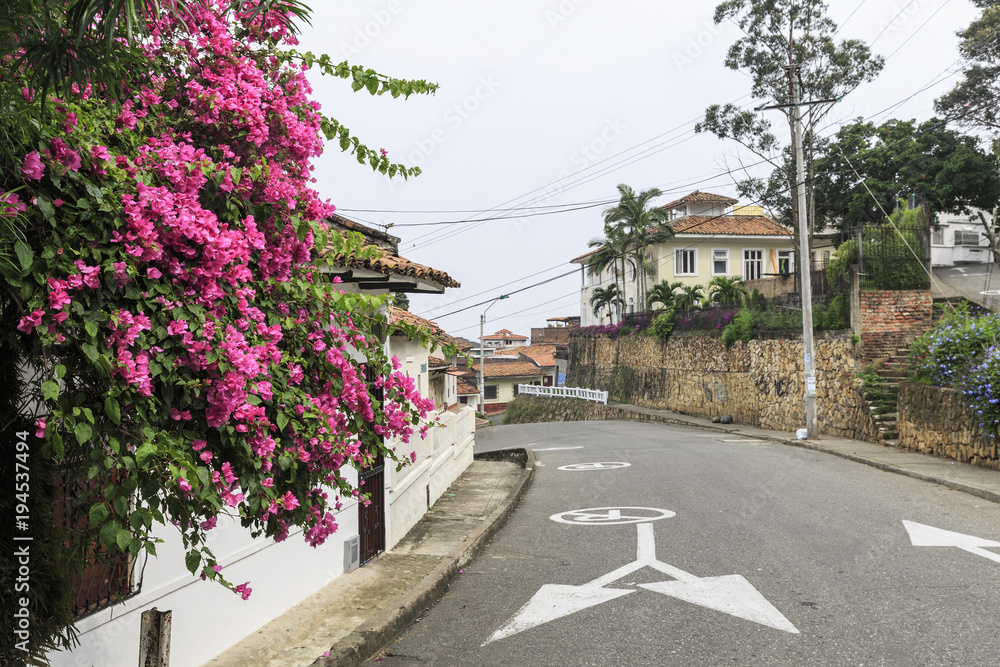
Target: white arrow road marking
point(554, 601)
point(554, 449)
point(730, 594)
point(929, 536)
point(600, 465)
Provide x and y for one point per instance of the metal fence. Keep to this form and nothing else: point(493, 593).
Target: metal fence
point(564, 392)
point(895, 256)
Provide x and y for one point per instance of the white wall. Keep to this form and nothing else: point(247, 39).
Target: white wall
point(207, 619)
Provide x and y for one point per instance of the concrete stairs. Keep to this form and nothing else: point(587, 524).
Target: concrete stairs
point(882, 395)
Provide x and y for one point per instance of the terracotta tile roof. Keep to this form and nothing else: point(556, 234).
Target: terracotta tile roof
point(432, 328)
point(437, 362)
point(503, 368)
point(465, 387)
point(740, 225)
point(388, 264)
point(544, 354)
point(505, 334)
point(584, 255)
point(698, 197)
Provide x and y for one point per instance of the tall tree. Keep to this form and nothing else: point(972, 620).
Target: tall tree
point(942, 167)
point(639, 226)
point(782, 38)
point(975, 99)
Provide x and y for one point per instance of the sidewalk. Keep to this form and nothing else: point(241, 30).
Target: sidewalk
point(981, 482)
point(358, 613)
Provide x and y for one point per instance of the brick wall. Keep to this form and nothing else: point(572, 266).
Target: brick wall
point(891, 319)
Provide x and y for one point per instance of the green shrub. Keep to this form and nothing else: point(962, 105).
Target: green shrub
point(663, 324)
point(945, 354)
point(743, 327)
point(835, 315)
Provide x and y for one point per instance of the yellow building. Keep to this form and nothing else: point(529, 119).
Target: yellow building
point(712, 237)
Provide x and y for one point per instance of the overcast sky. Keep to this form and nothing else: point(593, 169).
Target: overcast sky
point(549, 103)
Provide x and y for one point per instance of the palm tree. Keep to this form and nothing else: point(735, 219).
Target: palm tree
point(689, 296)
point(639, 226)
point(726, 290)
point(607, 297)
point(663, 294)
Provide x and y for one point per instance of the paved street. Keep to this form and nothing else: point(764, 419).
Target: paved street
point(714, 549)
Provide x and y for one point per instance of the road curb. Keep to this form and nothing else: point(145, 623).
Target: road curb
point(816, 447)
point(375, 634)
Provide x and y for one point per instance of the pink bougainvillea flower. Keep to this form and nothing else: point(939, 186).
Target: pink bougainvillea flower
point(244, 590)
point(40, 425)
point(33, 167)
point(28, 323)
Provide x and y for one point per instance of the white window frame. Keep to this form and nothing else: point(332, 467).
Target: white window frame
point(678, 265)
point(630, 272)
point(761, 260)
point(714, 260)
point(791, 261)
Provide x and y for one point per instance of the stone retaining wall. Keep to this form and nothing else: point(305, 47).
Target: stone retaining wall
point(759, 383)
point(935, 420)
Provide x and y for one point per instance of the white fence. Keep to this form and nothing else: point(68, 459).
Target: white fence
point(564, 392)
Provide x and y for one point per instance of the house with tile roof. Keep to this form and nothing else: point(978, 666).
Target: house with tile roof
point(504, 340)
point(502, 374)
point(713, 236)
point(542, 355)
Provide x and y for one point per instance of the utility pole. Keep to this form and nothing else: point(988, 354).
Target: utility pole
point(805, 277)
point(805, 271)
point(482, 354)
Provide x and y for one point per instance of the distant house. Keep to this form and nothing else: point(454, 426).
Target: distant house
point(557, 332)
point(502, 374)
point(504, 340)
point(542, 355)
point(713, 236)
point(959, 239)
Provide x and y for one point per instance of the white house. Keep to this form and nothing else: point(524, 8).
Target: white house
point(207, 619)
point(960, 239)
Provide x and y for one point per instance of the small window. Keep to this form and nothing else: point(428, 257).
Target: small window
point(966, 238)
point(685, 263)
point(630, 271)
point(631, 304)
point(753, 264)
point(785, 262)
point(490, 392)
point(720, 262)
point(937, 237)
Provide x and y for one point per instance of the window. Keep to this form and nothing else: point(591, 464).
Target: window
point(685, 262)
point(490, 392)
point(630, 271)
point(753, 264)
point(631, 304)
point(784, 262)
point(937, 236)
point(964, 237)
point(516, 389)
point(720, 261)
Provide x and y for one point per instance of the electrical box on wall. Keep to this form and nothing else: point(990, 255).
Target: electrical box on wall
point(352, 553)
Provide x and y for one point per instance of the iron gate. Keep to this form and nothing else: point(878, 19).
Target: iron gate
point(371, 480)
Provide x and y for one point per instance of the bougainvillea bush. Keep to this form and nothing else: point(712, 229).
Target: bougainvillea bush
point(171, 296)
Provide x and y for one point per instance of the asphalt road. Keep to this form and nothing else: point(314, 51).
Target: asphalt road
point(765, 555)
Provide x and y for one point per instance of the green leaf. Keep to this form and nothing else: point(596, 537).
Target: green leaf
point(98, 513)
point(135, 520)
point(193, 560)
point(123, 538)
point(24, 255)
point(91, 328)
point(134, 546)
point(144, 453)
point(282, 420)
point(50, 390)
point(60, 371)
point(113, 410)
point(109, 535)
point(90, 350)
point(83, 433)
point(45, 206)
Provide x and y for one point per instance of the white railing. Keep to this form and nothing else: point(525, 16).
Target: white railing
point(564, 392)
